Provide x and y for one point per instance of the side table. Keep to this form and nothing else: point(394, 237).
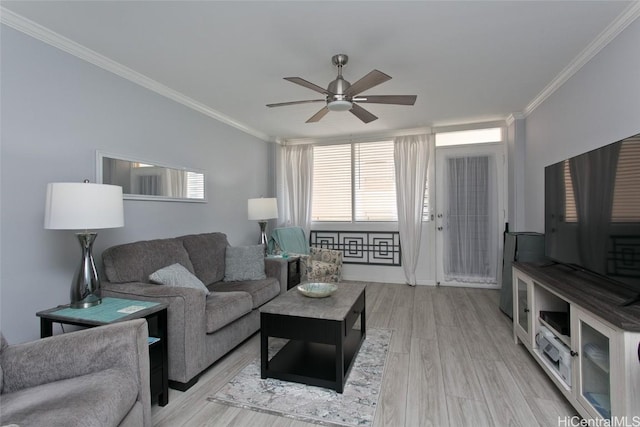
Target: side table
point(113, 310)
point(293, 268)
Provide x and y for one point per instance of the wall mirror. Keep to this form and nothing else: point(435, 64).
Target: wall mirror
point(143, 180)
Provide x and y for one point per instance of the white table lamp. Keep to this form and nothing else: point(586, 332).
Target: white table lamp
point(84, 206)
point(261, 210)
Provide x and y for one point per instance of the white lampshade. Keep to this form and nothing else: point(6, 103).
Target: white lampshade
point(83, 206)
point(262, 208)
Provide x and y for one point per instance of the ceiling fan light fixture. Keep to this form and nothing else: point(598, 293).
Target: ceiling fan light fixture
point(340, 95)
point(339, 105)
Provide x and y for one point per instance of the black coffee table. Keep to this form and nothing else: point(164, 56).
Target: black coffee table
point(323, 342)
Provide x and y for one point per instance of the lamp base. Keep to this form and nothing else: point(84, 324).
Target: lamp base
point(263, 235)
point(85, 288)
point(89, 301)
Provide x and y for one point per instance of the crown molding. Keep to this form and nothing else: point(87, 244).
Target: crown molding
point(629, 15)
point(511, 118)
point(37, 31)
point(370, 137)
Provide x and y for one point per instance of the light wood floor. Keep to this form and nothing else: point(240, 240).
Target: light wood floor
point(452, 363)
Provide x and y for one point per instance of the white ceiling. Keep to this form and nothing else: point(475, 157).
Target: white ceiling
point(467, 61)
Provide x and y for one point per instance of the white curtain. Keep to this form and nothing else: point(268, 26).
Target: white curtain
point(298, 179)
point(412, 155)
point(595, 170)
point(471, 226)
point(176, 183)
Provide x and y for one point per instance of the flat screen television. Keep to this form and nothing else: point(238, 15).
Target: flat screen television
point(592, 213)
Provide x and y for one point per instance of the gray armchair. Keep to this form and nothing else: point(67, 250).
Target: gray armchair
point(91, 378)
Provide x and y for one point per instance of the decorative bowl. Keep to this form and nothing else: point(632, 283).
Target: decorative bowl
point(317, 290)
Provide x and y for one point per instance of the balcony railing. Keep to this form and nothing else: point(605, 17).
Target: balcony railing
point(361, 247)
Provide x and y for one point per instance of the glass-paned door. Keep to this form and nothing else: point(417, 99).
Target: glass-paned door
point(595, 342)
point(523, 305)
point(470, 212)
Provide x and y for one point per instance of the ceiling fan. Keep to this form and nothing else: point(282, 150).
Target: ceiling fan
point(341, 95)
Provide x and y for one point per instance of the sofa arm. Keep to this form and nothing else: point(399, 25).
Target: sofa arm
point(120, 345)
point(186, 321)
point(275, 267)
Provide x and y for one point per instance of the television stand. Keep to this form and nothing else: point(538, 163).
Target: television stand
point(632, 301)
point(594, 362)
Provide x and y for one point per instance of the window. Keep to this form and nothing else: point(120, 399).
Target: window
point(475, 136)
point(375, 182)
point(626, 203)
point(195, 185)
point(570, 211)
point(426, 207)
point(354, 182)
point(331, 200)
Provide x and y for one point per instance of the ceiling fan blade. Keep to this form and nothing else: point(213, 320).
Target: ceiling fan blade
point(282, 104)
point(362, 114)
point(372, 79)
point(388, 99)
point(308, 85)
point(317, 116)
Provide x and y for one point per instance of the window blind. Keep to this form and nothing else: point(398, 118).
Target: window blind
point(426, 207)
point(374, 182)
point(626, 203)
point(331, 199)
point(570, 211)
point(354, 182)
point(195, 185)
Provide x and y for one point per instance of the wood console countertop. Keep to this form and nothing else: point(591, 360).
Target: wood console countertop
point(592, 293)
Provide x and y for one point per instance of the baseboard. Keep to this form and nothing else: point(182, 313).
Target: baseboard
point(374, 279)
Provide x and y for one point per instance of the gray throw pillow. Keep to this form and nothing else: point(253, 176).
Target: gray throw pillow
point(244, 263)
point(177, 275)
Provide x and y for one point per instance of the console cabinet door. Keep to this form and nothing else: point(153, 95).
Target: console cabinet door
point(597, 364)
point(523, 308)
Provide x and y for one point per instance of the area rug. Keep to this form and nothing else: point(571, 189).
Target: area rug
point(355, 407)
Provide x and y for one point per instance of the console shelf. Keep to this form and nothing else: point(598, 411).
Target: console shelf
point(566, 339)
point(603, 337)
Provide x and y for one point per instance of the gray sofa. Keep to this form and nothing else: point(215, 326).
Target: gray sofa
point(201, 329)
point(96, 377)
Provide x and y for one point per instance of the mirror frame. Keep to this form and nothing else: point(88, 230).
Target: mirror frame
point(101, 155)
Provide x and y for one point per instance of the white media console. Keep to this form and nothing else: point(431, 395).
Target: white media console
point(576, 328)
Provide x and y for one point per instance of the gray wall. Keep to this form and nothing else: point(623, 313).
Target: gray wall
point(515, 140)
point(56, 112)
point(598, 105)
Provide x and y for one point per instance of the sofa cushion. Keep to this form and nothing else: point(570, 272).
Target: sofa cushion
point(99, 399)
point(261, 291)
point(244, 263)
point(207, 252)
point(223, 308)
point(134, 262)
point(177, 275)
